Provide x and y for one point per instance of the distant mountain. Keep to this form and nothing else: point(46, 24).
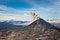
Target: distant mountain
point(16, 22)
point(55, 22)
point(10, 25)
point(19, 22)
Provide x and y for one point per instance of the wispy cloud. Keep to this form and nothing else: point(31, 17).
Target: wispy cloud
point(46, 11)
point(8, 13)
point(13, 10)
point(55, 2)
point(4, 16)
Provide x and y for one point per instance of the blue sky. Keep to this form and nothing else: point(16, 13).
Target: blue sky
point(13, 9)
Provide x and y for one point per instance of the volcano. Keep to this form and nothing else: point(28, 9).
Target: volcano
point(42, 30)
point(39, 29)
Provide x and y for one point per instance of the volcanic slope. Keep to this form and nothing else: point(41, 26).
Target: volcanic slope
point(40, 29)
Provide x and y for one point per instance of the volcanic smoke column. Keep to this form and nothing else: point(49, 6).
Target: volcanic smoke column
point(34, 15)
